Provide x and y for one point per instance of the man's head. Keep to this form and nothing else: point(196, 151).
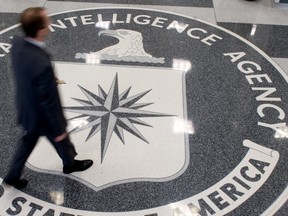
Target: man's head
point(34, 22)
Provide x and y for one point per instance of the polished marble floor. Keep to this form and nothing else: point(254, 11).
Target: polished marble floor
point(196, 109)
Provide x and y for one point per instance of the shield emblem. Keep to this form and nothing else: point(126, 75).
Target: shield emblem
point(128, 128)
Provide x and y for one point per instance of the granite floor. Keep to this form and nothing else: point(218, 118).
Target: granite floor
point(196, 109)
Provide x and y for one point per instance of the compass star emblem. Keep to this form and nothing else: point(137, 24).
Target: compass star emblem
point(111, 112)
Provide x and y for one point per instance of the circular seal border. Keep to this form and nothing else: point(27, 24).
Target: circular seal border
point(284, 196)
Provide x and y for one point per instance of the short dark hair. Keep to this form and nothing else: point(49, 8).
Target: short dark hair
point(32, 21)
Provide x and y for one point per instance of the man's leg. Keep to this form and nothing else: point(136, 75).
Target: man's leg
point(67, 153)
point(24, 149)
point(65, 150)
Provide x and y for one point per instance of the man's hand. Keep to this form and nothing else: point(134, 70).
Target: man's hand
point(61, 137)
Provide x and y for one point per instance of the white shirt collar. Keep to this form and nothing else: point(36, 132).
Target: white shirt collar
point(35, 42)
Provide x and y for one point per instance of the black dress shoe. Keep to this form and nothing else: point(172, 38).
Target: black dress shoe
point(78, 166)
point(19, 184)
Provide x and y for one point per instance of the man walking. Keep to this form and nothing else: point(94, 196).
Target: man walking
point(37, 99)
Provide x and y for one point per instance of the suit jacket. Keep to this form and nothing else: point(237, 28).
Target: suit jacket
point(38, 104)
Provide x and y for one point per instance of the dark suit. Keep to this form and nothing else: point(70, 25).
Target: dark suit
point(38, 105)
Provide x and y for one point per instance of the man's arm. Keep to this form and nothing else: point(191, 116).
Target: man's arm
point(49, 102)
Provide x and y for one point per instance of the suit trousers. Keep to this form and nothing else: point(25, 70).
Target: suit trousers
point(64, 148)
